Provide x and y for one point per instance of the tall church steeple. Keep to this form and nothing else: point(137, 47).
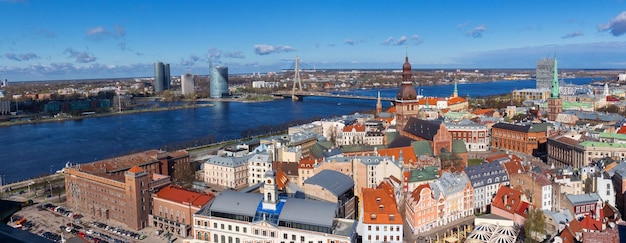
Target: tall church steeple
point(554, 92)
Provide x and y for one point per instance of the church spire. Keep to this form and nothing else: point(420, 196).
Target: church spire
point(554, 92)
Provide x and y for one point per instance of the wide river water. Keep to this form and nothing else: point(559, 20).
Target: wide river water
point(31, 150)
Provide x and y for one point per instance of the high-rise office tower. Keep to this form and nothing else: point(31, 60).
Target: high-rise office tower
point(545, 69)
point(187, 84)
point(219, 82)
point(161, 76)
point(167, 81)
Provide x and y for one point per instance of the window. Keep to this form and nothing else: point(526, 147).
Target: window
point(285, 236)
point(215, 225)
point(302, 238)
point(272, 234)
point(206, 224)
point(256, 232)
point(237, 228)
point(230, 227)
point(245, 230)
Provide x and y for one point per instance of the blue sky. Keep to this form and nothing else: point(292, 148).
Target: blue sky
point(48, 40)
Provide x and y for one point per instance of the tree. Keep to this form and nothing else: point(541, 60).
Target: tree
point(535, 226)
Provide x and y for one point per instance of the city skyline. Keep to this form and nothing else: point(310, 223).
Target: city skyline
point(46, 40)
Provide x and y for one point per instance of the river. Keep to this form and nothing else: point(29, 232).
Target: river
point(31, 150)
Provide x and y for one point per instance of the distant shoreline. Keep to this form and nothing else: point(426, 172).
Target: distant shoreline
point(127, 112)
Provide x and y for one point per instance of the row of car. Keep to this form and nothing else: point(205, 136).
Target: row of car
point(119, 231)
point(51, 236)
point(62, 211)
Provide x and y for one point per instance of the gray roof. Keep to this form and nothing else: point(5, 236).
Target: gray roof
point(583, 199)
point(335, 182)
point(229, 161)
point(557, 216)
point(239, 203)
point(308, 212)
point(480, 174)
point(592, 115)
point(449, 183)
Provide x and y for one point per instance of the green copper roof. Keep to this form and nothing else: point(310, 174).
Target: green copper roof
point(458, 146)
point(613, 135)
point(554, 92)
point(391, 136)
point(422, 148)
point(602, 145)
point(424, 174)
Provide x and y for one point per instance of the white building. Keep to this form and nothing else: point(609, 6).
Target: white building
point(239, 217)
point(353, 134)
point(474, 135)
point(187, 84)
point(258, 164)
point(230, 172)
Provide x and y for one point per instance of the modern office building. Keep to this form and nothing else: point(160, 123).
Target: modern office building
point(187, 84)
point(544, 72)
point(218, 85)
point(161, 77)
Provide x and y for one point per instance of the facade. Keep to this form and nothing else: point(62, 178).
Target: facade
point(173, 207)
point(584, 204)
point(380, 220)
point(566, 150)
point(230, 172)
point(528, 139)
point(258, 164)
point(486, 178)
point(187, 84)
point(537, 188)
point(421, 209)
point(530, 94)
point(335, 187)
point(353, 134)
point(123, 197)
point(269, 217)
point(407, 104)
point(474, 135)
point(218, 86)
point(419, 176)
point(161, 76)
point(544, 73)
point(455, 197)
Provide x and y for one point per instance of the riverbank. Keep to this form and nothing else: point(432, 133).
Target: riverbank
point(126, 112)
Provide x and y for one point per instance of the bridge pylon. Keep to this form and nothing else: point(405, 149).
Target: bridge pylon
point(297, 80)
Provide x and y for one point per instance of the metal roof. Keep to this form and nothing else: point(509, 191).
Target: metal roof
point(335, 182)
point(308, 212)
point(229, 161)
point(479, 174)
point(236, 203)
point(588, 198)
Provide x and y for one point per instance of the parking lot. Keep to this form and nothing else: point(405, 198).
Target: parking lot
point(53, 221)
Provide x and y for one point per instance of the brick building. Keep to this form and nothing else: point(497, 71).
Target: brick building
point(528, 139)
point(116, 189)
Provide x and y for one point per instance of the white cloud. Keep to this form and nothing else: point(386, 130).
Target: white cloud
point(400, 41)
point(388, 41)
point(262, 49)
point(617, 25)
point(80, 56)
point(477, 32)
point(21, 57)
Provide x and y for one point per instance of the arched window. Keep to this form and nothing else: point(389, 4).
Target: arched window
point(269, 196)
point(199, 235)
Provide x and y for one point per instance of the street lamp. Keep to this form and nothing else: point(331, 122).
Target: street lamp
point(29, 184)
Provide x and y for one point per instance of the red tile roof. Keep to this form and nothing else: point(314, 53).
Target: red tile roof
point(180, 195)
point(391, 109)
point(379, 207)
point(407, 153)
point(135, 169)
point(281, 179)
point(507, 199)
point(456, 100)
point(622, 130)
point(307, 163)
point(415, 194)
point(357, 127)
point(514, 166)
point(567, 235)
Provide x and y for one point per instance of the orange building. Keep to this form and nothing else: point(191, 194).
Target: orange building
point(173, 208)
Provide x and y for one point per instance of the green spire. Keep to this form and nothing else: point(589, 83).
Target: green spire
point(554, 92)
